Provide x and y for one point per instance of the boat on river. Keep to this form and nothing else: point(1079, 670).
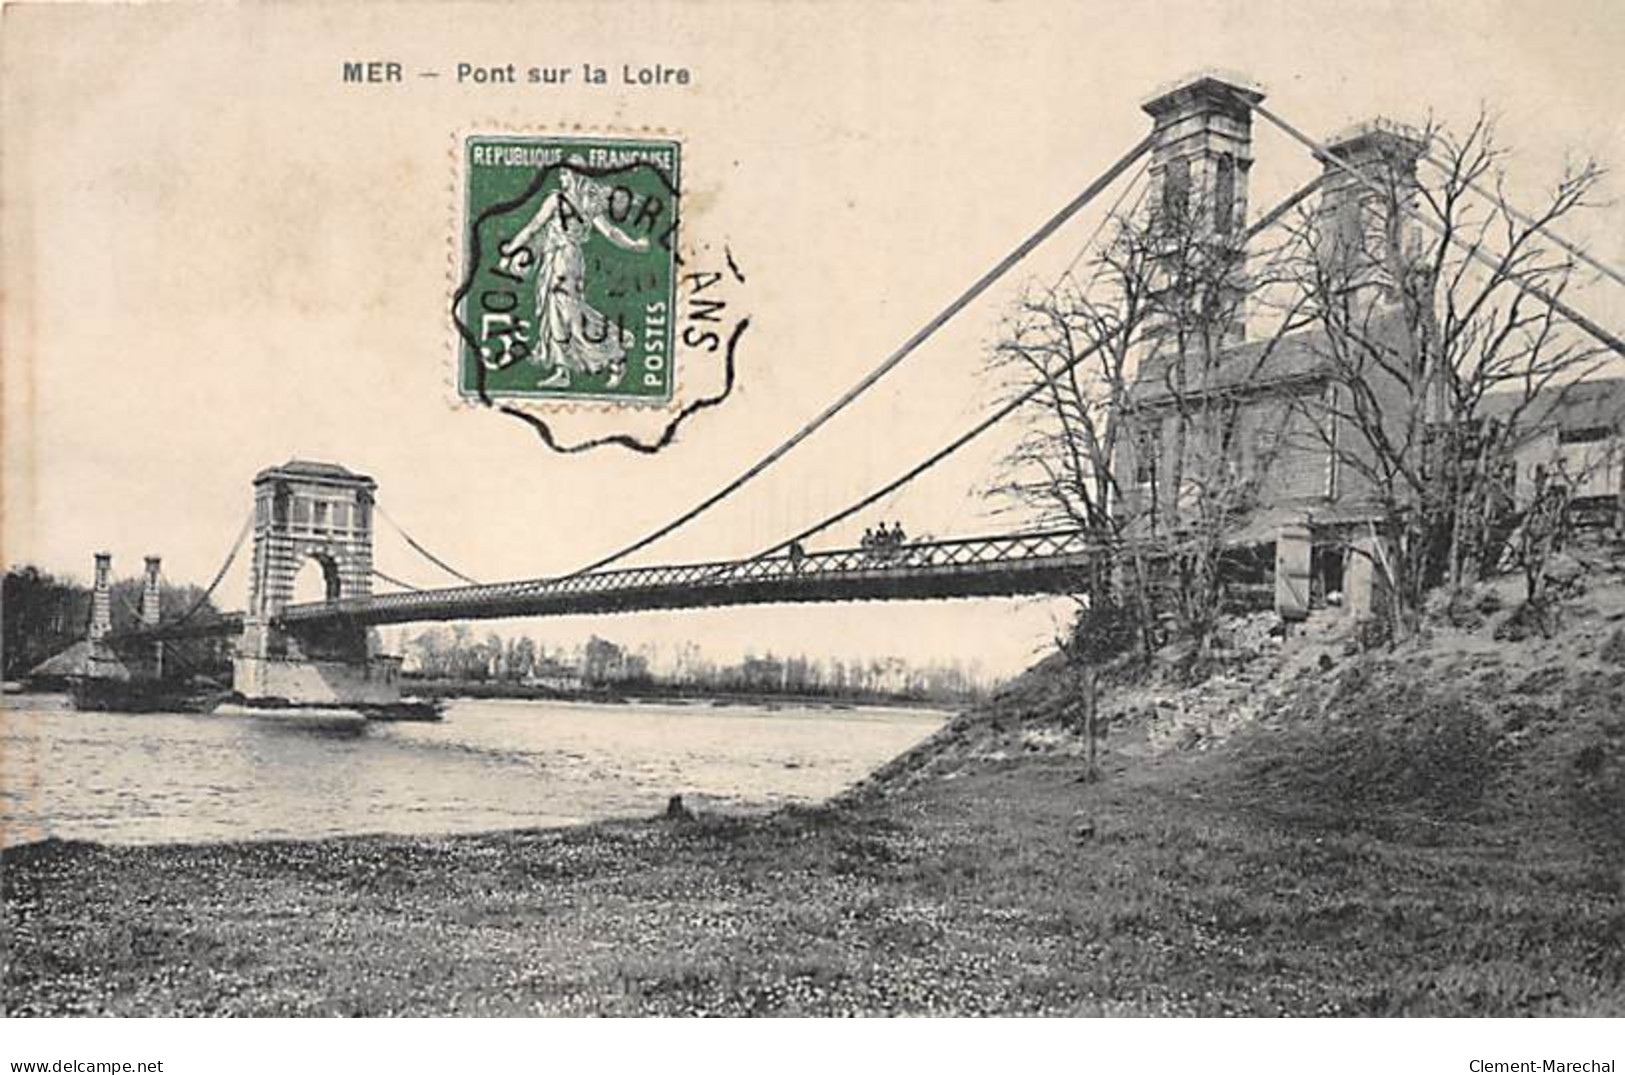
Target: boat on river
point(334, 718)
point(407, 709)
point(156, 696)
point(141, 696)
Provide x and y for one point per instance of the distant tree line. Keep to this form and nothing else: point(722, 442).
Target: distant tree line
point(456, 653)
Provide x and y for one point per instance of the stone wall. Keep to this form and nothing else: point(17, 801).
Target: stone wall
point(372, 682)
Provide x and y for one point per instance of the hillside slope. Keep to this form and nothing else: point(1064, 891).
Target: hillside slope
point(1435, 829)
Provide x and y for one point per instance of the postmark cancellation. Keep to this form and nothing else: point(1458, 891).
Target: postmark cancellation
point(569, 273)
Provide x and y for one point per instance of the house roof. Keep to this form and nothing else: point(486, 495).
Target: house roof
point(1249, 365)
point(1590, 404)
point(77, 660)
point(1235, 92)
point(313, 470)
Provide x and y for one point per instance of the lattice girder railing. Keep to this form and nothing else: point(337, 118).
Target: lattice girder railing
point(1006, 563)
point(954, 555)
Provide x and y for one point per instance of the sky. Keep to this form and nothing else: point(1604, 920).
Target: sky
point(218, 256)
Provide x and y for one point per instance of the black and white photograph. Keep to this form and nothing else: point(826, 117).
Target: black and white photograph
point(922, 513)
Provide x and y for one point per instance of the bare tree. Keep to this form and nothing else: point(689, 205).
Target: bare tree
point(1438, 309)
point(1070, 348)
point(1195, 385)
point(1137, 379)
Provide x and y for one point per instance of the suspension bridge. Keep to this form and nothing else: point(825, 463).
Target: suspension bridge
point(1006, 565)
point(318, 651)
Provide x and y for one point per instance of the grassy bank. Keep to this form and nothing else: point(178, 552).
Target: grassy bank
point(1436, 831)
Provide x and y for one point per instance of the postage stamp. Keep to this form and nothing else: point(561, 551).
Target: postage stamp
point(570, 269)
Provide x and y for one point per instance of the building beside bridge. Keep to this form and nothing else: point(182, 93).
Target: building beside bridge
point(1280, 436)
point(1574, 434)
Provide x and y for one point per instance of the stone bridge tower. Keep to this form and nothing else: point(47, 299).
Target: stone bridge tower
point(1200, 162)
point(311, 512)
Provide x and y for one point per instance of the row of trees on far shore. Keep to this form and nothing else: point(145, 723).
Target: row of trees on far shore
point(45, 614)
point(456, 652)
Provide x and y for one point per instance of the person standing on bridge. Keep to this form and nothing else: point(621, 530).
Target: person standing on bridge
point(571, 336)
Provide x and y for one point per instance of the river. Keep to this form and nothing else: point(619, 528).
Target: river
point(174, 777)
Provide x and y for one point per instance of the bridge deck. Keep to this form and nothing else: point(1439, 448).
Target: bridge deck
point(1034, 563)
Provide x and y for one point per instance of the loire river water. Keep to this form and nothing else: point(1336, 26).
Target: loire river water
point(159, 777)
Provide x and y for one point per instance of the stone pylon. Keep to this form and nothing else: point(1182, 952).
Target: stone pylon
point(152, 610)
point(101, 599)
point(308, 512)
point(151, 605)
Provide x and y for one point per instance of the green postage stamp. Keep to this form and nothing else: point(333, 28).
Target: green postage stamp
point(568, 287)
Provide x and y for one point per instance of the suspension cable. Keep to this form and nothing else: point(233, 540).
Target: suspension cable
point(1264, 222)
point(1089, 243)
point(425, 553)
point(236, 546)
point(1283, 207)
point(397, 582)
point(1530, 222)
point(1569, 313)
point(940, 454)
point(965, 298)
point(130, 608)
point(1003, 412)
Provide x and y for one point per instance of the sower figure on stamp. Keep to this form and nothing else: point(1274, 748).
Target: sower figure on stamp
point(571, 336)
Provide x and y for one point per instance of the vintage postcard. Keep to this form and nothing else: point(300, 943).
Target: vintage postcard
point(794, 509)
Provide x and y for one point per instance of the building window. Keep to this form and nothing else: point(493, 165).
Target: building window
point(321, 515)
point(341, 516)
point(1235, 452)
point(1266, 445)
point(301, 511)
point(1351, 232)
point(1333, 465)
point(1589, 435)
point(1147, 450)
point(1224, 193)
point(1176, 188)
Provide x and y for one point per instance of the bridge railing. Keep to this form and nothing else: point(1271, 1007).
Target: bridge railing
point(957, 554)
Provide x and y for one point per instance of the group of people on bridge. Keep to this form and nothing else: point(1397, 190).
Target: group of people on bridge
point(881, 541)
